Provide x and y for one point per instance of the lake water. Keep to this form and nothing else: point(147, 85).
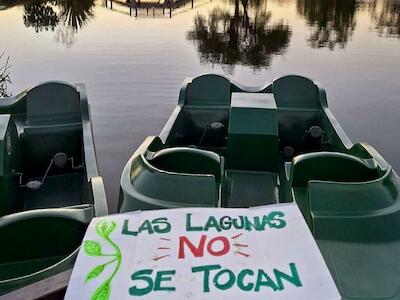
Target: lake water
point(133, 66)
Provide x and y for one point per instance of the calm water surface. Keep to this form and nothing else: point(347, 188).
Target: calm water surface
point(133, 67)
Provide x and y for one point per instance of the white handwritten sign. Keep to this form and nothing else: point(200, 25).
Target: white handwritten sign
point(266, 252)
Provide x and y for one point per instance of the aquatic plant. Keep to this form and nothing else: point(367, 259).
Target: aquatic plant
point(93, 248)
point(4, 77)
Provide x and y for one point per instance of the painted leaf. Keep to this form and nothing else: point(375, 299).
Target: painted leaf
point(102, 292)
point(94, 273)
point(92, 248)
point(105, 227)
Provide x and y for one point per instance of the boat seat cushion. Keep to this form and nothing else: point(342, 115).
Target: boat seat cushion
point(330, 166)
point(188, 160)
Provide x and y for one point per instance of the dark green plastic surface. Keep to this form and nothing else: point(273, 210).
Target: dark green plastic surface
point(41, 230)
point(348, 194)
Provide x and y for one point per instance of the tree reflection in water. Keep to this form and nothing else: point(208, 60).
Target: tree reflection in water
point(64, 17)
point(386, 14)
point(332, 21)
point(245, 36)
point(41, 16)
point(75, 13)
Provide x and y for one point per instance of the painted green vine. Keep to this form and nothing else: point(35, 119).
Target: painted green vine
point(93, 248)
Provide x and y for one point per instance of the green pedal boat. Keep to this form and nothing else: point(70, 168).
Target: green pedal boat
point(50, 188)
point(226, 145)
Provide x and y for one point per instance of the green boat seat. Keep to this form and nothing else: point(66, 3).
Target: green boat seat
point(333, 182)
point(330, 166)
point(153, 183)
point(37, 241)
point(53, 124)
point(189, 161)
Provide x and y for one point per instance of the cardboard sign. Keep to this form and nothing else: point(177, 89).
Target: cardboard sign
point(266, 252)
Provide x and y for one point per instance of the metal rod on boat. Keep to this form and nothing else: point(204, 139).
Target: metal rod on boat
point(47, 171)
point(204, 133)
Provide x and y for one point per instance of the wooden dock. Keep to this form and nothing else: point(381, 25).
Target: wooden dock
point(135, 5)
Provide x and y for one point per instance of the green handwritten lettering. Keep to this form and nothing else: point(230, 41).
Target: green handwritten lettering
point(206, 270)
point(293, 278)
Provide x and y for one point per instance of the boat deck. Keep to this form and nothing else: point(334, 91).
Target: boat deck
point(250, 188)
point(57, 191)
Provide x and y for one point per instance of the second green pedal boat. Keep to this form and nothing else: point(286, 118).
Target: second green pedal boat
point(50, 188)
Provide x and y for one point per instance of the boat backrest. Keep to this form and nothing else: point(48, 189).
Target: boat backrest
point(52, 103)
point(195, 120)
point(330, 166)
point(208, 89)
point(53, 124)
point(296, 92)
point(299, 108)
